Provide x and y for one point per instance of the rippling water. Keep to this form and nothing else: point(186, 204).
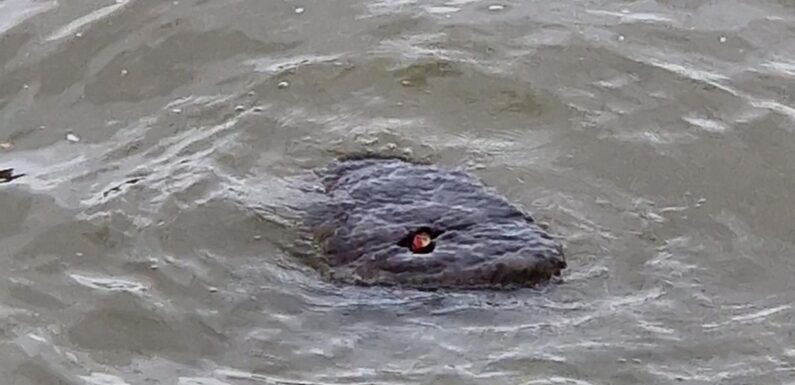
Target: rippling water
point(164, 145)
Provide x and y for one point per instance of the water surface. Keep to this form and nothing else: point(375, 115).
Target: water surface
point(165, 144)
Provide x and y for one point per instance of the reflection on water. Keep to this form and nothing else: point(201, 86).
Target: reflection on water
point(165, 146)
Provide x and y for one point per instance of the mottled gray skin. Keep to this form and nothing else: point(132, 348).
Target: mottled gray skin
point(373, 203)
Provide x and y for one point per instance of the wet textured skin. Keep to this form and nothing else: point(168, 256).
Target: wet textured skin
point(481, 240)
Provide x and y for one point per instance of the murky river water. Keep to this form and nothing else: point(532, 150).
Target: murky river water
point(152, 239)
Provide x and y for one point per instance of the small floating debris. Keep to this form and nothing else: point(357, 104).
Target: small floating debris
point(72, 138)
point(445, 10)
point(124, 72)
point(299, 10)
point(654, 217)
point(544, 225)
point(367, 141)
point(405, 83)
point(79, 34)
point(97, 378)
point(108, 283)
point(722, 39)
point(72, 357)
point(620, 37)
point(496, 7)
point(388, 147)
point(283, 85)
point(673, 209)
point(25, 86)
point(8, 175)
point(78, 254)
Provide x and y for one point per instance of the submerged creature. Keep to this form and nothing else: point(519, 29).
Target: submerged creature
point(389, 221)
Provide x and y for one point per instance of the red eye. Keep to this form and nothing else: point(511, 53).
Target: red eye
point(420, 242)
